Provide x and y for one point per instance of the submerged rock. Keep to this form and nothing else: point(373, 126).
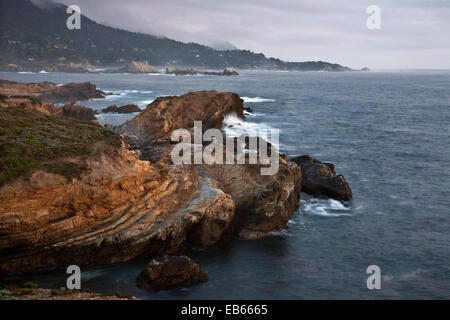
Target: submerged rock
point(319, 179)
point(171, 272)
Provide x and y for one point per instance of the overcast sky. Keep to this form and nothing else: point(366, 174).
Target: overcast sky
point(414, 33)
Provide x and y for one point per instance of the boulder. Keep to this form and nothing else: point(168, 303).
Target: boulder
point(319, 179)
point(171, 272)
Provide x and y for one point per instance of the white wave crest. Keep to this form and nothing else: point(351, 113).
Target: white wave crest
point(325, 208)
point(233, 126)
point(256, 99)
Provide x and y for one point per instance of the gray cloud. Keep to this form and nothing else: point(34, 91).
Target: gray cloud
point(414, 34)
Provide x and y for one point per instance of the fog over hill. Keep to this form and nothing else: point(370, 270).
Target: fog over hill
point(34, 36)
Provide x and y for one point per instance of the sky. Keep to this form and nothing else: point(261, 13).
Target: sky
point(414, 34)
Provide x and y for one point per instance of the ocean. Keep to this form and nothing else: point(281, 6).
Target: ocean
point(387, 132)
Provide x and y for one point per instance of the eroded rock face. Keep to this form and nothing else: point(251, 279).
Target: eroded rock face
point(262, 203)
point(154, 126)
point(319, 179)
point(121, 207)
point(171, 272)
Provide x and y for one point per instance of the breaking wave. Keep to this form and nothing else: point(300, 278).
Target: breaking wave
point(256, 99)
point(325, 208)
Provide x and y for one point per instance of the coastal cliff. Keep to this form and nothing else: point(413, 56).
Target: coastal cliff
point(103, 204)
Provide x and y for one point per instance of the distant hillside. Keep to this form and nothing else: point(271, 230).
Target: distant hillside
point(34, 38)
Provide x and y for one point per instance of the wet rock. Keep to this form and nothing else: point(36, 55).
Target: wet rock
point(171, 272)
point(319, 179)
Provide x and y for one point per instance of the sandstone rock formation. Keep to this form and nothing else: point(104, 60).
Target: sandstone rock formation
point(129, 108)
point(319, 179)
point(171, 272)
point(153, 127)
point(263, 203)
point(119, 206)
point(49, 92)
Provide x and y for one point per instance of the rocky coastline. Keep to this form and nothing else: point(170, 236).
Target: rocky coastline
point(116, 195)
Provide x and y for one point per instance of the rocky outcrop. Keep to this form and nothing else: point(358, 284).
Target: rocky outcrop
point(320, 180)
point(171, 272)
point(76, 112)
point(118, 207)
point(153, 127)
point(262, 203)
point(129, 108)
point(138, 67)
point(49, 92)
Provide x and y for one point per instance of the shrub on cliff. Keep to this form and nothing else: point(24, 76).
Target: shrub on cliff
point(30, 139)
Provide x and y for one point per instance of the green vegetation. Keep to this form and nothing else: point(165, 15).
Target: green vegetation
point(30, 139)
point(30, 285)
point(4, 293)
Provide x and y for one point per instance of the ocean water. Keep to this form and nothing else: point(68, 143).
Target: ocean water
point(388, 133)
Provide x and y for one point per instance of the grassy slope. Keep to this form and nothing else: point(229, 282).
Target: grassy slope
point(30, 139)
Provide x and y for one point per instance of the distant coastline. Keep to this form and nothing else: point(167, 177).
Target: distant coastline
point(45, 44)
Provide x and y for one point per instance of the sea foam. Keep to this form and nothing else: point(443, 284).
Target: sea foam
point(325, 208)
point(256, 99)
